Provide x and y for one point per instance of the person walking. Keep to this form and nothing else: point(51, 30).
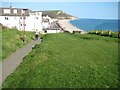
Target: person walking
point(36, 35)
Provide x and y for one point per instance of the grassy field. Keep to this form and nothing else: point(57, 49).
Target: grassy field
point(11, 41)
point(66, 60)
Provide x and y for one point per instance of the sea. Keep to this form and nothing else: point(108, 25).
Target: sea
point(96, 24)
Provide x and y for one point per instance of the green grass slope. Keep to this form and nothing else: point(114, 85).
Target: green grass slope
point(11, 41)
point(66, 60)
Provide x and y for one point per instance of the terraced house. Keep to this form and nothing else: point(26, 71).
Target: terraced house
point(21, 19)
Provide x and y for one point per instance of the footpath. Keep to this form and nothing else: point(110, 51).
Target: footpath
point(13, 61)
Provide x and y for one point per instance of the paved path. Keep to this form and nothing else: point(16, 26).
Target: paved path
point(12, 62)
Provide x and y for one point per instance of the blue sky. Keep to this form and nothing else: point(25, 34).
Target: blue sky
point(97, 10)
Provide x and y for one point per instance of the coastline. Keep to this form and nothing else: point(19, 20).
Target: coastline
point(70, 27)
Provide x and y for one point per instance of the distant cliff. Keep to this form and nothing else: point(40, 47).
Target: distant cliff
point(59, 14)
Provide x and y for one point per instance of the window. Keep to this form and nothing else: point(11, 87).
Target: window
point(45, 31)
point(15, 11)
point(22, 11)
point(24, 17)
point(36, 17)
point(7, 11)
point(6, 18)
point(24, 24)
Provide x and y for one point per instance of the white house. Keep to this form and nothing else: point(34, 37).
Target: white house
point(22, 19)
point(50, 25)
point(46, 22)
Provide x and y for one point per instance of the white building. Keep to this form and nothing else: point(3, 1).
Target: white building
point(46, 22)
point(22, 19)
point(50, 25)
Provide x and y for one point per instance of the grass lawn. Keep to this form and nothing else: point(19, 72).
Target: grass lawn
point(11, 41)
point(66, 60)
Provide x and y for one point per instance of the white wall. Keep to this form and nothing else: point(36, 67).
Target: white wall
point(33, 22)
point(53, 31)
point(53, 20)
point(7, 11)
point(12, 21)
point(47, 17)
point(45, 25)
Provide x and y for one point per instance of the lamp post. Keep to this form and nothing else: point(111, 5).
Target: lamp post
point(19, 28)
point(34, 23)
point(24, 25)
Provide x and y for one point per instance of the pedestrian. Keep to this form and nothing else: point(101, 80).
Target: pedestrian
point(36, 35)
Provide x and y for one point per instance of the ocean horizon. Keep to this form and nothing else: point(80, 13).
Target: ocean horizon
point(96, 24)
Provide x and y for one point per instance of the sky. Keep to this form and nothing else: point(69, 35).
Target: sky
point(93, 10)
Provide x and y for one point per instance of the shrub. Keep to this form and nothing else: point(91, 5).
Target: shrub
point(92, 32)
point(115, 34)
point(98, 32)
point(105, 33)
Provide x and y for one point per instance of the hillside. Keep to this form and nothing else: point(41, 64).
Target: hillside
point(11, 41)
point(57, 14)
point(69, 60)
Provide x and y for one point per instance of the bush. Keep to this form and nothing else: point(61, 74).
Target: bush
point(105, 33)
point(92, 32)
point(115, 34)
point(99, 32)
